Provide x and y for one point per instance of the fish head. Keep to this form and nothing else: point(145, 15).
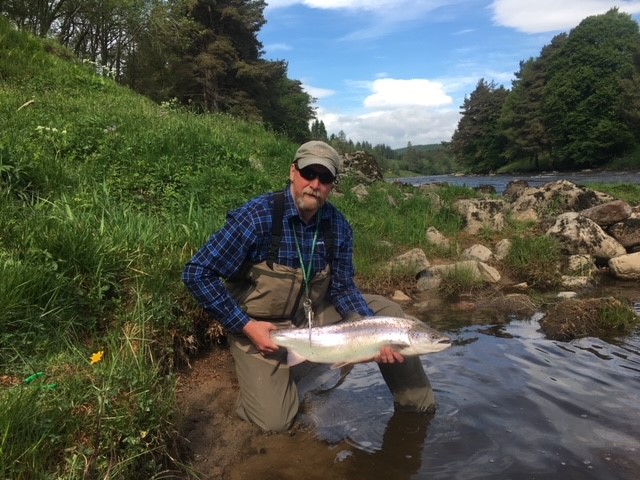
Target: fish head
point(425, 339)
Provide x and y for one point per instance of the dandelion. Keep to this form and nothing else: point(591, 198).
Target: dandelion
point(97, 357)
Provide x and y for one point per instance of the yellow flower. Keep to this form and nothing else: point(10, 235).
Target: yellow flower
point(97, 357)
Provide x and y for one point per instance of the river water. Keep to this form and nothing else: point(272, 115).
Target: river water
point(512, 405)
point(501, 181)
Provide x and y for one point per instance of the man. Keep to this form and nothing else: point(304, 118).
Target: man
point(281, 259)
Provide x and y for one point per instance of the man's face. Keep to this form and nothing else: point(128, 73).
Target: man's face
point(310, 195)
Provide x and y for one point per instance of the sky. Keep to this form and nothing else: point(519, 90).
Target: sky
point(397, 71)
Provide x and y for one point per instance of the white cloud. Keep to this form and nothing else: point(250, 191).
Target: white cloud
point(278, 47)
point(362, 5)
point(390, 93)
point(317, 92)
point(395, 128)
point(553, 15)
point(398, 111)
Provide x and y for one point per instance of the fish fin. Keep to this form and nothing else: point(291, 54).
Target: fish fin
point(294, 358)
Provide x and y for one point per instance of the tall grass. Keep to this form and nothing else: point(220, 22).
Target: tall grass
point(103, 198)
point(535, 259)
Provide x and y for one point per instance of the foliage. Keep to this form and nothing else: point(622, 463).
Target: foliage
point(583, 105)
point(457, 281)
point(536, 260)
point(103, 198)
point(204, 54)
point(575, 106)
point(597, 317)
point(477, 142)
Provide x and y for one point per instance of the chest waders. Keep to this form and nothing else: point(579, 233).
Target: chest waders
point(274, 292)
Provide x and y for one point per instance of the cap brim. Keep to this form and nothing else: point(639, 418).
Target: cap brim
point(305, 162)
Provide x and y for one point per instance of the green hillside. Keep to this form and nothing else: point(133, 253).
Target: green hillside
point(103, 197)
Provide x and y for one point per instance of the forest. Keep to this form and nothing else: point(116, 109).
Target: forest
point(575, 106)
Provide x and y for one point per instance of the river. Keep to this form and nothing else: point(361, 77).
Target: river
point(512, 404)
point(499, 182)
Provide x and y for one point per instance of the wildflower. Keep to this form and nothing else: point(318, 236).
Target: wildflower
point(97, 357)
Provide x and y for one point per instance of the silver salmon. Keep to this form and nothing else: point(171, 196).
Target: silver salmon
point(359, 340)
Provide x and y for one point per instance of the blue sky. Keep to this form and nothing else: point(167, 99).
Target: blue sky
point(397, 71)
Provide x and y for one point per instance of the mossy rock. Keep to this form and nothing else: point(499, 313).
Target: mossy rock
point(594, 317)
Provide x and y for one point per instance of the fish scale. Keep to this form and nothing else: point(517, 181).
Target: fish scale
point(359, 340)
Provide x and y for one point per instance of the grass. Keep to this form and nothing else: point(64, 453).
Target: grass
point(627, 192)
point(457, 281)
point(536, 260)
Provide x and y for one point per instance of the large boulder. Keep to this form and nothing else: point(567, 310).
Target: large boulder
point(579, 235)
point(557, 197)
point(626, 267)
point(479, 214)
point(626, 232)
point(608, 213)
point(363, 166)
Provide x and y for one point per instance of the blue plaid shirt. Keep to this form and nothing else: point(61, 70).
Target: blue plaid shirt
point(246, 237)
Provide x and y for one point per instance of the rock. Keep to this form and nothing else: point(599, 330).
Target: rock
point(626, 267)
point(504, 306)
point(502, 249)
point(360, 191)
point(567, 294)
point(529, 215)
point(580, 264)
point(427, 282)
point(627, 232)
point(400, 297)
point(478, 214)
point(514, 189)
point(559, 196)
point(486, 189)
point(608, 213)
point(570, 281)
point(579, 235)
point(363, 166)
point(477, 252)
point(436, 238)
point(481, 271)
point(413, 262)
point(574, 318)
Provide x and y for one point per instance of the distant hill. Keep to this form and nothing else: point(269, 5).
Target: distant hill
point(432, 147)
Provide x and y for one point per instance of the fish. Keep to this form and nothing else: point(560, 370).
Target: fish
point(358, 341)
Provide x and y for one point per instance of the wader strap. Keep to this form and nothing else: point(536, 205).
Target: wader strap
point(276, 227)
point(276, 231)
point(328, 239)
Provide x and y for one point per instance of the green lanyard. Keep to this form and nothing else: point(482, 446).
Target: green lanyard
point(306, 273)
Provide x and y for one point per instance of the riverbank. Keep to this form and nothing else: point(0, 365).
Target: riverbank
point(500, 182)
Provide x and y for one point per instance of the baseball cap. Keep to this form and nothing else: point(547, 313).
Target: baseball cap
point(316, 152)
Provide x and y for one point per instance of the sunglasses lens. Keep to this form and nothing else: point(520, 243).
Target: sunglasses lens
point(310, 175)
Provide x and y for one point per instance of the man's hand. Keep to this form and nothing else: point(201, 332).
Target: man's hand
point(258, 333)
point(388, 355)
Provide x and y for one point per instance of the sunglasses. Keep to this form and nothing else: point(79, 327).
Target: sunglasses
point(310, 175)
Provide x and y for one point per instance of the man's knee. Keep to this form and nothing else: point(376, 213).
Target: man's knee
point(409, 385)
point(383, 307)
point(277, 419)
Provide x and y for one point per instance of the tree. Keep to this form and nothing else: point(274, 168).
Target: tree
point(477, 141)
point(521, 121)
point(318, 131)
point(589, 80)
